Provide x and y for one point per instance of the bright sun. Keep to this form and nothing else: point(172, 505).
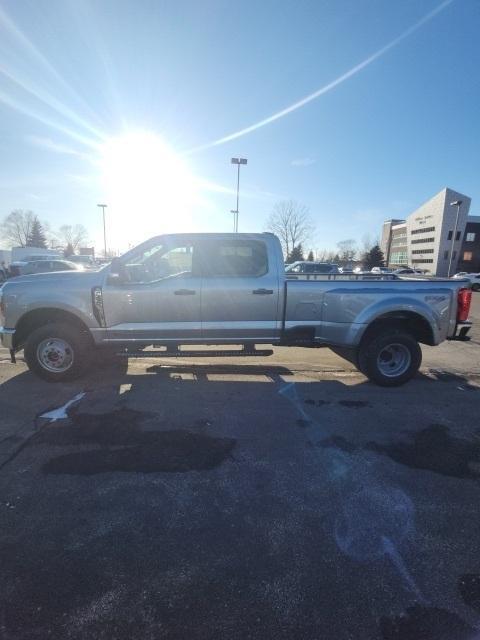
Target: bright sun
point(148, 187)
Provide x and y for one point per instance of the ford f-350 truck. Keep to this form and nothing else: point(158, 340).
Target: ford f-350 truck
point(226, 289)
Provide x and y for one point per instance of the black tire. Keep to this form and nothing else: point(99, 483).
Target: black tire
point(79, 349)
point(378, 355)
point(476, 287)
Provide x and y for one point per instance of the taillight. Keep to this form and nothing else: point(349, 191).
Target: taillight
point(463, 304)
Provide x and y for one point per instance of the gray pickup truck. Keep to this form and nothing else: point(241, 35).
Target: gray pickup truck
point(226, 289)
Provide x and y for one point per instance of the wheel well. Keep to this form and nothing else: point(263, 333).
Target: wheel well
point(40, 317)
point(413, 323)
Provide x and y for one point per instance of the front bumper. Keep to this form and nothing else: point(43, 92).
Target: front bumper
point(461, 331)
point(6, 336)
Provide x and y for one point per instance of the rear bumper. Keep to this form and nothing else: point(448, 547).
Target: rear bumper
point(6, 336)
point(461, 331)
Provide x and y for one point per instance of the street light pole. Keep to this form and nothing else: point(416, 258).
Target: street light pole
point(455, 203)
point(238, 162)
point(102, 206)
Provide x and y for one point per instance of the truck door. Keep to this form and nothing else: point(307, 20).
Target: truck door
point(240, 290)
point(157, 296)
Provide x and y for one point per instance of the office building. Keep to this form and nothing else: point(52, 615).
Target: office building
point(439, 237)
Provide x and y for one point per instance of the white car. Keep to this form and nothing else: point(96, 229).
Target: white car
point(473, 277)
point(380, 270)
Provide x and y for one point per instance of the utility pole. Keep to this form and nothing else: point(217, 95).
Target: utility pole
point(238, 162)
point(103, 206)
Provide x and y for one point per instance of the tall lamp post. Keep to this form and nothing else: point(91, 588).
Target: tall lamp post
point(103, 206)
point(238, 162)
point(455, 203)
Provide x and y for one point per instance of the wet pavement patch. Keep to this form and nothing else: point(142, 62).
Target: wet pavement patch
point(318, 403)
point(122, 445)
point(165, 451)
point(425, 623)
point(354, 404)
point(469, 588)
point(117, 427)
point(434, 449)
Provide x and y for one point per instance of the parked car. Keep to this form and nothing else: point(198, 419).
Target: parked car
point(474, 279)
point(305, 266)
point(381, 270)
point(151, 296)
point(86, 261)
point(42, 266)
point(407, 271)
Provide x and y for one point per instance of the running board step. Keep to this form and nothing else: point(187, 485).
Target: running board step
point(197, 354)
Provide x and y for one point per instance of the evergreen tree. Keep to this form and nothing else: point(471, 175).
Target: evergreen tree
point(68, 251)
point(295, 254)
point(373, 258)
point(311, 257)
point(36, 237)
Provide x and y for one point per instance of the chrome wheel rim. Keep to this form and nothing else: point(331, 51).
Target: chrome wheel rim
point(55, 355)
point(394, 360)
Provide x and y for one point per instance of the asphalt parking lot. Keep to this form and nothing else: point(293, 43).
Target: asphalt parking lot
point(284, 497)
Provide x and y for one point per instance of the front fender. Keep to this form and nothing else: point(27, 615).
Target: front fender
point(78, 304)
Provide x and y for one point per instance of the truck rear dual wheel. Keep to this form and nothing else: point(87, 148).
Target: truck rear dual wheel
point(390, 358)
point(58, 352)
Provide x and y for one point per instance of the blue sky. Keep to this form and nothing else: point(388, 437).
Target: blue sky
point(76, 74)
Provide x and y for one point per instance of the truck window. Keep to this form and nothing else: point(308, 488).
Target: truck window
point(235, 258)
point(161, 261)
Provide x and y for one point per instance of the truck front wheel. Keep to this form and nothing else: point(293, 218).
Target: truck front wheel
point(390, 358)
point(58, 352)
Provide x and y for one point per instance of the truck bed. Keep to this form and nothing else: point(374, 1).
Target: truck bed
point(337, 308)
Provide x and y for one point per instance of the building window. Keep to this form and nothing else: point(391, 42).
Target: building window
point(422, 240)
point(445, 255)
point(467, 255)
point(454, 255)
point(457, 235)
point(426, 230)
point(422, 261)
point(470, 237)
point(421, 251)
point(450, 234)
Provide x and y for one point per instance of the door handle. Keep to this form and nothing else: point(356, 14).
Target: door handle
point(184, 292)
point(262, 292)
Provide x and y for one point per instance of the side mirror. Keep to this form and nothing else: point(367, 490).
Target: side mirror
point(117, 273)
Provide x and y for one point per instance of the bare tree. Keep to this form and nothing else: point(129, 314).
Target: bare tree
point(292, 223)
point(17, 227)
point(73, 235)
point(347, 250)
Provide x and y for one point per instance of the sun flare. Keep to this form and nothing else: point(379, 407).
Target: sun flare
point(148, 187)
